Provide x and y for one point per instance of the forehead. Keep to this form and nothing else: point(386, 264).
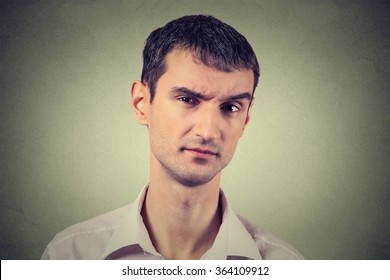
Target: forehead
point(184, 70)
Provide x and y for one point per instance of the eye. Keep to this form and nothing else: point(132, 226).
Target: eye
point(188, 100)
point(230, 108)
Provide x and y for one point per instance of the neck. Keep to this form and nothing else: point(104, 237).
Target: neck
point(182, 221)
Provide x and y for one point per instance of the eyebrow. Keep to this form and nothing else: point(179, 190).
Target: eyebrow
point(191, 93)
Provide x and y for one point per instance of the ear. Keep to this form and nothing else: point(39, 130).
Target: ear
point(140, 100)
point(248, 115)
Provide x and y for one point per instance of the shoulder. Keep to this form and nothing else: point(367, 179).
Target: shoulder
point(270, 246)
point(87, 239)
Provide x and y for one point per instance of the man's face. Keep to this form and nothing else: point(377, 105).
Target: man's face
point(196, 118)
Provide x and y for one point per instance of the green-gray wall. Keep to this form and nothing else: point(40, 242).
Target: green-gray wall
point(312, 167)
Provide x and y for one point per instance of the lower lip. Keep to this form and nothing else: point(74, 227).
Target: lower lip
point(198, 154)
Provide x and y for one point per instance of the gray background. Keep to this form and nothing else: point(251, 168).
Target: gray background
point(313, 166)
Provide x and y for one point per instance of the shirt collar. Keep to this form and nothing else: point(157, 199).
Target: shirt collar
point(132, 230)
point(232, 239)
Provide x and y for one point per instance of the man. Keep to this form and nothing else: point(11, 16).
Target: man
point(195, 98)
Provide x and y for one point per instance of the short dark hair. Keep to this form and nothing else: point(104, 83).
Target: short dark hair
point(215, 43)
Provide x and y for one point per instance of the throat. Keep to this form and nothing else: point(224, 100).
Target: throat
point(184, 228)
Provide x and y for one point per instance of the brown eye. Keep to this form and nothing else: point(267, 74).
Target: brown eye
point(187, 100)
point(230, 108)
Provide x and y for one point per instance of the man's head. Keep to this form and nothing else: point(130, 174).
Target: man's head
point(212, 42)
point(200, 74)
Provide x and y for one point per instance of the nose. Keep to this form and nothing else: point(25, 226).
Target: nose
point(207, 125)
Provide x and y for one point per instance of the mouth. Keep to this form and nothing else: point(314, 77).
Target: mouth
point(201, 153)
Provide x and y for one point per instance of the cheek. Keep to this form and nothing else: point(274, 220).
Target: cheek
point(172, 121)
point(231, 139)
point(164, 127)
point(231, 145)
point(233, 132)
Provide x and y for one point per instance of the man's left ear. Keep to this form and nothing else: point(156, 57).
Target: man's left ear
point(248, 114)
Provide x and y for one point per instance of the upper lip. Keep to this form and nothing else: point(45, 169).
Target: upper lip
point(204, 151)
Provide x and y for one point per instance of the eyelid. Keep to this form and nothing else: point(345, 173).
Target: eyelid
point(238, 107)
point(194, 100)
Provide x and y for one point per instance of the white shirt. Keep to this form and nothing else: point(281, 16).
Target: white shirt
point(121, 234)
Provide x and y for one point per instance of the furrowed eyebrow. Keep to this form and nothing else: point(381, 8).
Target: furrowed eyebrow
point(191, 93)
point(245, 95)
point(188, 92)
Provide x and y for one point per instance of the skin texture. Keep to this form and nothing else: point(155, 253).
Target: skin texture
point(194, 124)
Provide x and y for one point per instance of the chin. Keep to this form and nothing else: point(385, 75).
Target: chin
point(195, 180)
